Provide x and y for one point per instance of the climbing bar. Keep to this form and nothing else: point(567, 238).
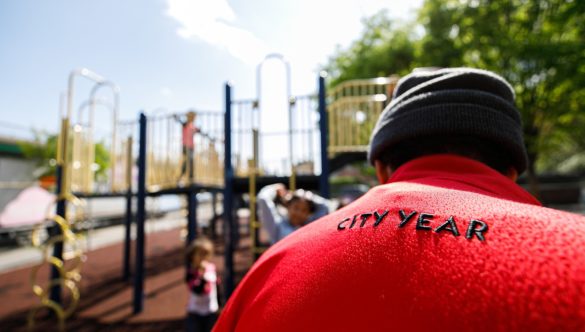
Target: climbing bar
point(254, 224)
point(69, 275)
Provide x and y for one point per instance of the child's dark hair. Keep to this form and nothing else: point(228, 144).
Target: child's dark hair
point(201, 244)
point(305, 196)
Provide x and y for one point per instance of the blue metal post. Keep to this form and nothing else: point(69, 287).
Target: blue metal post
point(228, 195)
point(127, 238)
point(191, 216)
point(128, 219)
point(56, 231)
point(140, 218)
point(324, 129)
point(213, 220)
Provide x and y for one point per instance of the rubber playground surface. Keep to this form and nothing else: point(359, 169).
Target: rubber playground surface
point(106, 301)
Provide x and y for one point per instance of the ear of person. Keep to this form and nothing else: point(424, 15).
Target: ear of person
point(383, 171)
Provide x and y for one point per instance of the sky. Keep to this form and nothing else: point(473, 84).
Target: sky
point(175, 54)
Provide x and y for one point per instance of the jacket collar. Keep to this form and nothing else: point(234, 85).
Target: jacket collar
point(461, 173)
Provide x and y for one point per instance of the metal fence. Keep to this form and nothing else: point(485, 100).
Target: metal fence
point(353, 109)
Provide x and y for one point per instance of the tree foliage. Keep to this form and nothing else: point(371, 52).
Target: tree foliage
point(538, 46)
point(44, 150)
point(384, 48)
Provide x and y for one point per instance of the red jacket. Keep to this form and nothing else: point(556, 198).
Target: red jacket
point(448, 244)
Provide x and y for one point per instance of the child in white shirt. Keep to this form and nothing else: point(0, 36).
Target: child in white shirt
point(202, 281)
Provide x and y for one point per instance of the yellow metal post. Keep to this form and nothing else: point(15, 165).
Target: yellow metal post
point(63, 156)
point(292, 181)
point(252, 172)
point(90, 160)
point(129, 163)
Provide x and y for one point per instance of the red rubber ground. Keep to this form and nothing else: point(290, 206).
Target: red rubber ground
point(106, 301)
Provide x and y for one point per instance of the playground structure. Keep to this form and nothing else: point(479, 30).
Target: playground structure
point(61, 226)
point(326, 131)
point(354, 108)
point(165, 158)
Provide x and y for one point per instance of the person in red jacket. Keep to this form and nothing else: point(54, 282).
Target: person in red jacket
point(447, 242)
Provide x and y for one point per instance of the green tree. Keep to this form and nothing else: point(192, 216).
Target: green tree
point(102, 159)
point(538, 46)
point(44, 149)
point(384, 48)
point(437, 47)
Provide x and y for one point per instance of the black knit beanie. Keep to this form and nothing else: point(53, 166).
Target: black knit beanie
point(451, 101)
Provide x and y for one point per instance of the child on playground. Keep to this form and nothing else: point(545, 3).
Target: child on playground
point(189, 130)
point(202, 281)
point(281, 212)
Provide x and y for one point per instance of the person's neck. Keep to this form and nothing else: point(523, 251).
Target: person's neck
point(453, 171)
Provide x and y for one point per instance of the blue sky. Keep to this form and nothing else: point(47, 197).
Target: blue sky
point(163, 53)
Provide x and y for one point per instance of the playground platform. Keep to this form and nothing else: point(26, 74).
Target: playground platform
point(106, 300)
